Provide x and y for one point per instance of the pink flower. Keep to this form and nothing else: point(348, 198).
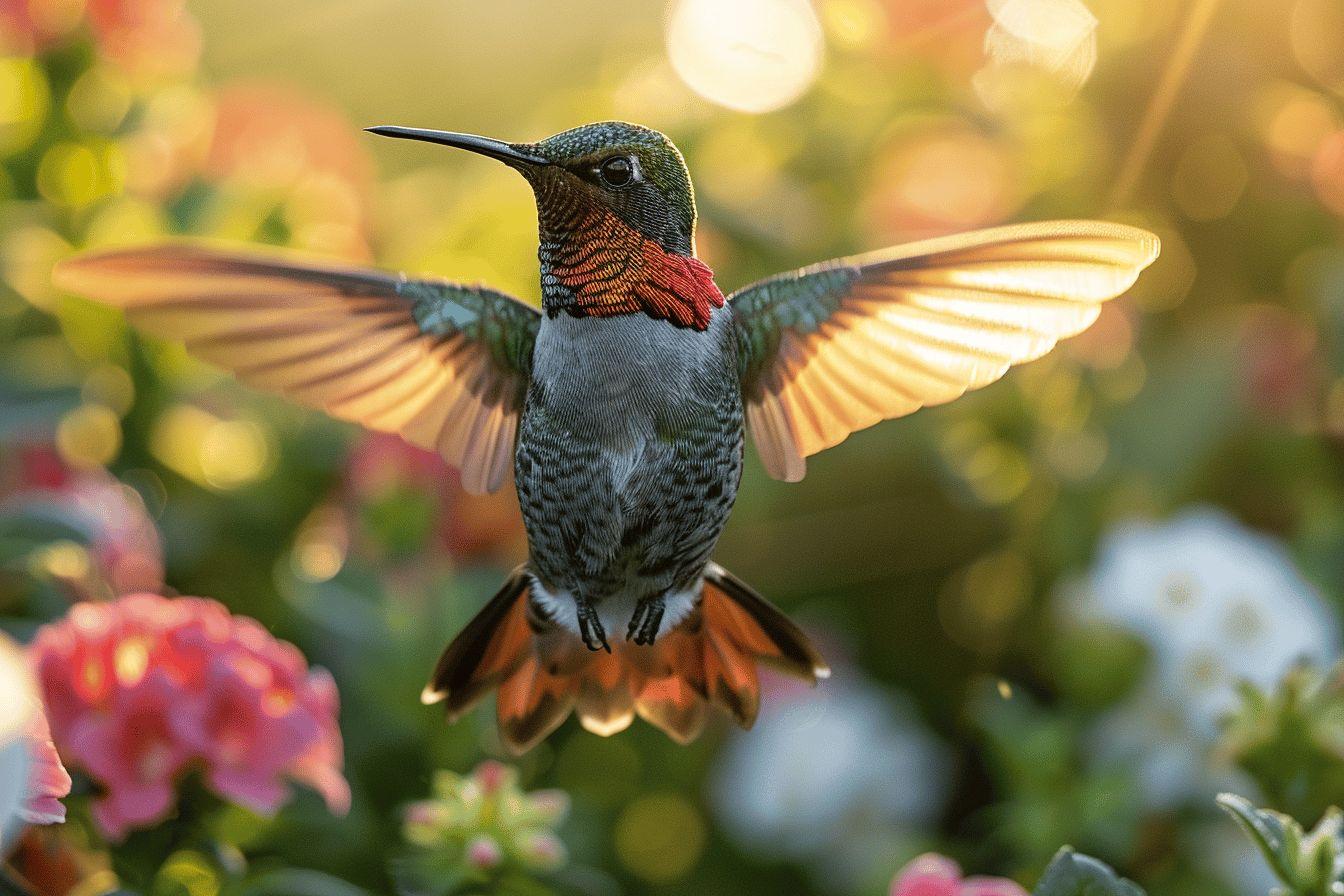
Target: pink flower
point(123, 544)
point(483, 852)
point(48, 781)
point(145, 687)
point(935, 875)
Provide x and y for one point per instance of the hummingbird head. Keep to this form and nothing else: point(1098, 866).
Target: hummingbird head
point(616, 215)
point(634, 172)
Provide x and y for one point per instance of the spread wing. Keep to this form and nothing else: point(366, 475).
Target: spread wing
point(836, 347)
point(444, 365)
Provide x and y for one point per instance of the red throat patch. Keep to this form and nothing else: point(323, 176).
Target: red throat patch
point(613, 269)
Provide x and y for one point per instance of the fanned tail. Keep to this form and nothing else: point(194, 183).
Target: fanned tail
point(544, 672)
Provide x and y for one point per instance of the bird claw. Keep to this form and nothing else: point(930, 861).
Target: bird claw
point(645, 621)
point(591, 630)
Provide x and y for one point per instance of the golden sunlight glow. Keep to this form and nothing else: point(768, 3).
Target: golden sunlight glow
point(856, 24)
point(660, 837)
point(222, 454)
point(1327, 173)
point(234, 453)
point(1031, 39)
point(1210, 178)
point(17, 697)
point(26, 258)
point(131, 661)
point(76, 174)
point(748, 55)
point(89, 436)
point(110, 386)
point(24, 96)
point(1293, 122)
point(99, 101)
point(64, 560)
point(321, 545)
point(1317, 32)
point(945, 179)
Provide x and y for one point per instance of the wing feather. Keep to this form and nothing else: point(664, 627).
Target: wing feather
point(834, 348)
point(445, 365)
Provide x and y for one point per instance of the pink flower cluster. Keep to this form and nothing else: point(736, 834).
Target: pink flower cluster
point(143, 37)
point(123, 543)
point(143, 688)
point(935, 875)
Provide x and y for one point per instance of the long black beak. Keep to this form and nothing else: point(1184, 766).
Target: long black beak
point(495, 149)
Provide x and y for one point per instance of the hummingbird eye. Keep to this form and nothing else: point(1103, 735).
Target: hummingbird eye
point(616, 171)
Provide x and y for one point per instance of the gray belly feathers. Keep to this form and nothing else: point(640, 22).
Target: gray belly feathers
point(628, 461)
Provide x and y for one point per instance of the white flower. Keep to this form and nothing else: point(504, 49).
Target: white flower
point(1215, 603)
point(840, 767)
point(17, 702)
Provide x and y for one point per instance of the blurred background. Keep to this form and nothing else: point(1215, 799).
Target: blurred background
point(1039, 601)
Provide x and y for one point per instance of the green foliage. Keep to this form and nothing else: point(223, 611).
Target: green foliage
point(1308, 863)
point(1291, 739)
point(1036, 757)
point(1071, 874)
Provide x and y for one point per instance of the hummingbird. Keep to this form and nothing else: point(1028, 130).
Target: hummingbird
point(621, 406)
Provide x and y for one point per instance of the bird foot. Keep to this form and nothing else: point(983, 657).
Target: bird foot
point(590, 628)
point(645, 621)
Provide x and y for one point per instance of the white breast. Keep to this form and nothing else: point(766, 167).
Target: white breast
point(614, 378)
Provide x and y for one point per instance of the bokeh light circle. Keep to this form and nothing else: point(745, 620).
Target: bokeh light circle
point(748, 55)
point(1316, 28)
point(660, 837)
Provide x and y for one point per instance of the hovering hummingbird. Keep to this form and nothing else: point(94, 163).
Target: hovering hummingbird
point(622, 404)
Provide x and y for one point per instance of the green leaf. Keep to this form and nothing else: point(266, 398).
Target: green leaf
point(1310, 864)
point(1277, 836)
point(1071, 874)
point(1322, 860)
point(1290, 740)
point(300, 882)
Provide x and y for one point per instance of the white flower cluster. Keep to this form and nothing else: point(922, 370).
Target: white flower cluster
point(831, 777)
point(1215, 603)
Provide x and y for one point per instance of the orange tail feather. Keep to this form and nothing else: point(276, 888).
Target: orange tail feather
point(543, 672)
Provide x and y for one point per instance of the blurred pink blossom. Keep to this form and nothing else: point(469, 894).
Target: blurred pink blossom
point(122, 540)
point(142, 688)
point(935, 875)
point(946, 34)
point(125, 543)
point(1282, 370)
point(146, 38)
point(27, 26)
point(484, 852)
point(282, 145)
point(468, 528)
point(48, 781)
